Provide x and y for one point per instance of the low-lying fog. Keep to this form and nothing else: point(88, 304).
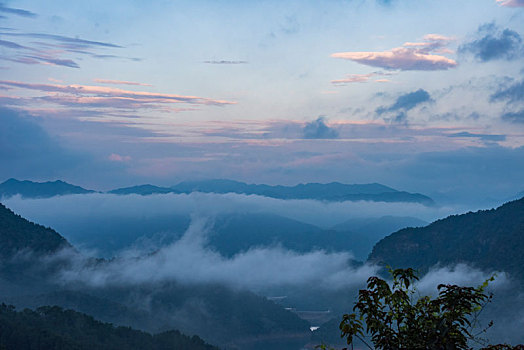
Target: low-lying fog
point(66, 212)
point(271, 270)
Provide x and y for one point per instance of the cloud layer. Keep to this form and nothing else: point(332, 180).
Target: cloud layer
point(189, 262)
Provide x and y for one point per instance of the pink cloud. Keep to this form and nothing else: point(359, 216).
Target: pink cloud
point(410, 56)
point(511, 3)
point(114, 157)
point(353, 78)
point(360, 78)
point(108, 92)
point(119, 82)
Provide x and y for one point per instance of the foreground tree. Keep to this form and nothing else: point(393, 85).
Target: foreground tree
point(395, 317)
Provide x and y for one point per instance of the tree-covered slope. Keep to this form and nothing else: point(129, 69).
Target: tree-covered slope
point(488, 239)
point(50, 328)
point(18, 234)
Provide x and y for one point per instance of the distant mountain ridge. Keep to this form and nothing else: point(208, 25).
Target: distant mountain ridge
point(333, 191)
point(31, 189)
point(143, 190)
point(487, 239)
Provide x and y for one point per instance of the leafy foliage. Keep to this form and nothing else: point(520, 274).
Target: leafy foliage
point(394, 318)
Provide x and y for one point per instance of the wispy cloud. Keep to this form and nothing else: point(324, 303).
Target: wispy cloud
point(225, 62)
point(512, 93)
point(63, 39)
point(483, 137)
point(119, 82)
point(52, 49)
point(11, 45)
point(511, 3)
point(115, 157)
point(514, 117)
point(36, 59)
point(425, 55)
point(15, 11)
point(361, 78)
point(407, 102)
point(79, 92)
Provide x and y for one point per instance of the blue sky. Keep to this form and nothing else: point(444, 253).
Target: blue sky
point(420, 95)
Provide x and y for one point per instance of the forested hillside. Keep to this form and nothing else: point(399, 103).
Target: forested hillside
point(489, 239)
point(18, 234)
point(55, 328)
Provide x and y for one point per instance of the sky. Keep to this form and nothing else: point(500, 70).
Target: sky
point(423, 96)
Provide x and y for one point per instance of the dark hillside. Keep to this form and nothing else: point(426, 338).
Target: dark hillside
point(487, 239)
point(51, 327)
point(18, 234)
